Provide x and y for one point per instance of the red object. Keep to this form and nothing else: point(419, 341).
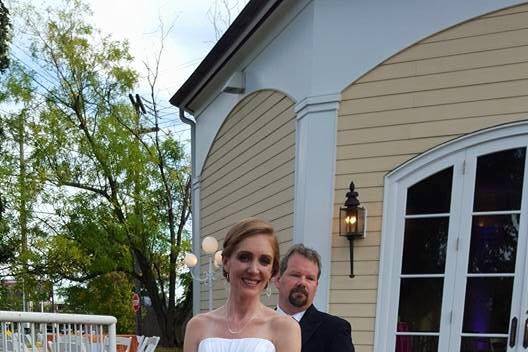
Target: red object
point(133, 346)
point(136, 302)
point(403, 343)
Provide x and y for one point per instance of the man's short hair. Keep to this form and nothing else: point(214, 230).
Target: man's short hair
point(300, 249)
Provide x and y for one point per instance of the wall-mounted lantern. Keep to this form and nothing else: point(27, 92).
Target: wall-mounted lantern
point(352, 222)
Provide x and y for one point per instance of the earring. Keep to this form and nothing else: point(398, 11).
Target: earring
point(267, 291)
point(227, 288)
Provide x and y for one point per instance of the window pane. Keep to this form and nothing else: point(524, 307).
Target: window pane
point(420, 304)
point(498, 184)
point(493, 244)
point(487, 306)
point(424, 247)
point(483, 344)
point(431, 195)
point(416, 343)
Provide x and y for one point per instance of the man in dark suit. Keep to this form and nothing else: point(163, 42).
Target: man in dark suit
point(297, 283)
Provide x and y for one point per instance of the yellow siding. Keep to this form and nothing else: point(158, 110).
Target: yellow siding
point(485, 25)
point(463, 79)
point(249, 171)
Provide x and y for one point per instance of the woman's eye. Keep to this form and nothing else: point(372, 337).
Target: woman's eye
point(243, 257)
point(265, 261)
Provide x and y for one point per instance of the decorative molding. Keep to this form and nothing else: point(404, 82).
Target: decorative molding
point(315, 156)
point(236, 84)
point(320, 103)
point(465, 141)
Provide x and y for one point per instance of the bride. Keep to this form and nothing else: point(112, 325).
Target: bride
point(243, 324)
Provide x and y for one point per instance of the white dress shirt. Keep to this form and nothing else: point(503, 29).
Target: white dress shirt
point(297, 316)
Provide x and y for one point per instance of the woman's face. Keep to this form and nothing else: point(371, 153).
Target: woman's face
point(250, 265)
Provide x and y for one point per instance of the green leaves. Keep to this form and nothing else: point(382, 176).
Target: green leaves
point(110, 292)
point(103, 195)
point(5, 35)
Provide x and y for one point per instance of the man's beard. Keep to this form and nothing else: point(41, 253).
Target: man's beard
point(298, 296)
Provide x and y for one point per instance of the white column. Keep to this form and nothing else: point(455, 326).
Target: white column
point(196, 241)
point(314, 182)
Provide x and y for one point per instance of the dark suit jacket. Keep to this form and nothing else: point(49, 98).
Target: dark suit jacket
point(322, 332)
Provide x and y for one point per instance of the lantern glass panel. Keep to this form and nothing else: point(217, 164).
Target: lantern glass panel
point(361, 221)
point(436, 187)
point(352, 221)
point(344, 221)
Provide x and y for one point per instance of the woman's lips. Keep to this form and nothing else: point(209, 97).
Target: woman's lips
point(250, 282)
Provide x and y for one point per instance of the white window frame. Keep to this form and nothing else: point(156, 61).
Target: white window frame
point(396, 183)
point(465, 223)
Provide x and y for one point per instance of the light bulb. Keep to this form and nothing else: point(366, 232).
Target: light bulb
point(209, 245)
point(190, 260)
point(350, 220)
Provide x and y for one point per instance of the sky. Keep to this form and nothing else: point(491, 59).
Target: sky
point(191, 37)
point(138, 21)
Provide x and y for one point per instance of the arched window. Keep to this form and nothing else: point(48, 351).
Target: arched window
point(454, 247)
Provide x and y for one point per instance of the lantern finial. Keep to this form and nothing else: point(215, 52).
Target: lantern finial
point(352, 200)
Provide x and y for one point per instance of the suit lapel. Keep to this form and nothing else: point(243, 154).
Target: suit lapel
point(309, 323)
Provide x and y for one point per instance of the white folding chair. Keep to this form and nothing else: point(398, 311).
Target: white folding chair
point(69, 343)
point(152, 343)
point(35, 343)
point(16, 343)
point(6, 341)
point(120, 341)
point(139, 339)
point(124, 341)
point(142, 344)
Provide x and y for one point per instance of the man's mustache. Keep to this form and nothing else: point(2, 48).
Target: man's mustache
point(300, 289)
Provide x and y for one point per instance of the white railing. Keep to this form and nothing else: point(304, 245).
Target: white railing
point(48, 332)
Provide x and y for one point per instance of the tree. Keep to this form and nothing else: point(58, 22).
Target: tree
point(119, 186)
point(19, 178)
point(5, 26)
point(222, 12)
point(5, 246)
point(107, 293)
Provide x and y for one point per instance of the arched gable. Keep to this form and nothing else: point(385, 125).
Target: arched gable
point(249, 170)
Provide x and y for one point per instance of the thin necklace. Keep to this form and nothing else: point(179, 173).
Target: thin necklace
point(234, 332)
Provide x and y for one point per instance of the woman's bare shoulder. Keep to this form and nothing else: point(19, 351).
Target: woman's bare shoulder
point(194, 332)
point(287, 333)
point(280, 322)
point(197, 321)
point(199, 327)
point(204, 320)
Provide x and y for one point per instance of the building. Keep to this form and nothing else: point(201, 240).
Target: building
point(424, 106)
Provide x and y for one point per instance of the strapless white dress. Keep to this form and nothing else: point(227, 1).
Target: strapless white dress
point(247, 344)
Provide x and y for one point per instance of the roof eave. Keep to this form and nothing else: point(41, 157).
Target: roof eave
point(247, 22)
